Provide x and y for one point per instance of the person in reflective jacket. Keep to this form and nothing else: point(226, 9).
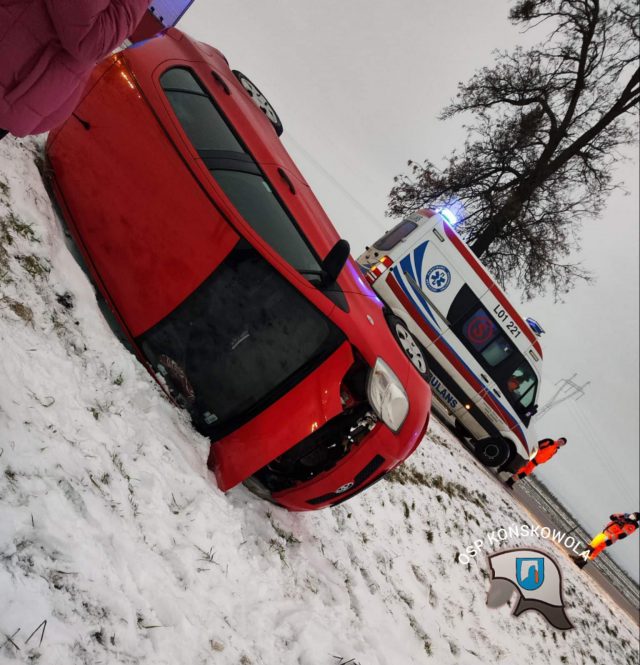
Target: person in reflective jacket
point(620, 526)
point(47, 51)
point(547, 448)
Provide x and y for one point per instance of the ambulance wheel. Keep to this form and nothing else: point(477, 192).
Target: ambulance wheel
point(492, 452)
point(514, 463)
point(461, 431)
point(260, 101)
point(410, 345)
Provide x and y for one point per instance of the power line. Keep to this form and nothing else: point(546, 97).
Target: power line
point(604, 454)
point(366, 212)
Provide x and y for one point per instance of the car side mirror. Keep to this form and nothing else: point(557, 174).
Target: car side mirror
point(335, 261)
point(530, 412)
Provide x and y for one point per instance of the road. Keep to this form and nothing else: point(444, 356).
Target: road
point(543, 518)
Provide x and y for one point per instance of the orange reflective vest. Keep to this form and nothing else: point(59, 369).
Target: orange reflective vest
point(619, 527)
point(548, 448)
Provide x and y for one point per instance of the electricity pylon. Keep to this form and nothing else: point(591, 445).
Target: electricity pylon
point(570, 389)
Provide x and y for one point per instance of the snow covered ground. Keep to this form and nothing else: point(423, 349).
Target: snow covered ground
point(113, 531)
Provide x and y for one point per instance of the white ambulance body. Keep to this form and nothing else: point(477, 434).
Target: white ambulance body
point(455, 323)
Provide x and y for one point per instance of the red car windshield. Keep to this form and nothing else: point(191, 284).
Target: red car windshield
point(238, 342)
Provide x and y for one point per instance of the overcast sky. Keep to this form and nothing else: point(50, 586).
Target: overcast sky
point(358, 86)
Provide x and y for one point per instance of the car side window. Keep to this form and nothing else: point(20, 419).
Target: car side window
point(236, 172)
point(202, 122)
point(254, 199)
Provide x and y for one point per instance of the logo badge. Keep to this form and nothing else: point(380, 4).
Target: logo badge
point(344, 488)
point(438, 278)
point(536, 577)
point(530, 573)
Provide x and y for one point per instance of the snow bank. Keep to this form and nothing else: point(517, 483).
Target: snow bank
point(113, 531)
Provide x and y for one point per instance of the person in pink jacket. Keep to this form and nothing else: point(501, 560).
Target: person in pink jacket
point(47, 51)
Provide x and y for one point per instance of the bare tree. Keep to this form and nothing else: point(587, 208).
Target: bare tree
point(548, 125)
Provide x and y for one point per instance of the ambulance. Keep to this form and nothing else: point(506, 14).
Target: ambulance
point(482, 359)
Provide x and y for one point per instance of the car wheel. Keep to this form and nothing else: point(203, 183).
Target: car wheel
point(260, 101)
point(492, 452)
point(411, 346)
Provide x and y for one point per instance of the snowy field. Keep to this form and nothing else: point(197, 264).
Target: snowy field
point(113, 531)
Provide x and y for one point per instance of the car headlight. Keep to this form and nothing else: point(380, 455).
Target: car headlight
point(387, 396)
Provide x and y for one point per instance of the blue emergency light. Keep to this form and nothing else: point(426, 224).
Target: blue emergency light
point(535, 326)
point(449, 216)
point(452, 211)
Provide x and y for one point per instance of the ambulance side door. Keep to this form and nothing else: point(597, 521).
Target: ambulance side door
point(431, 281)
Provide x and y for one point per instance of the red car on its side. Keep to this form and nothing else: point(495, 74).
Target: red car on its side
point(228, 278)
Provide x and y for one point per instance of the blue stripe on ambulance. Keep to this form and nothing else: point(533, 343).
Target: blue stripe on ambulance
point(418, 258)
point(407, 266)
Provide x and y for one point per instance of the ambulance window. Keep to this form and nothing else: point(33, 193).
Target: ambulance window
point(522, 385)
point(390, 239)
point(497, 351)
point(480, 329)
point(485, 337)
point(463, 304)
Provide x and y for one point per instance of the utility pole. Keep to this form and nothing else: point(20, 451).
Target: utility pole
point(569, 389)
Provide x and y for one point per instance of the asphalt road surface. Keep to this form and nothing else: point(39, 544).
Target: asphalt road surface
point(545, 519)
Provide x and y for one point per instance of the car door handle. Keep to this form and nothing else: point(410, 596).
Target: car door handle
point(287, 179)
point(221, 81)
point(484, 377)
point(497, 393)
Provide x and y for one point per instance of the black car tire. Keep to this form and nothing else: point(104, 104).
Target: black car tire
point(260, 101)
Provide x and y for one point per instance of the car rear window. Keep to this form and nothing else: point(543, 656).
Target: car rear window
point(238, 342)
point(390, 239)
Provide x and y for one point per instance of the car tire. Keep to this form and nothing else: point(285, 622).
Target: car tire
point(411, 346)
point(493, 452)
point(260, 101)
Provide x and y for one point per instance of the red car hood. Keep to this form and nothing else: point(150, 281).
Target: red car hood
point(313, 402)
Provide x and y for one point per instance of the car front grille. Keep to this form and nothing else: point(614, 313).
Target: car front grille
point(358, 483)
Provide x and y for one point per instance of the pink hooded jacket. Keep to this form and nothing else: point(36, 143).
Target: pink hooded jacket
point(47, 50)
